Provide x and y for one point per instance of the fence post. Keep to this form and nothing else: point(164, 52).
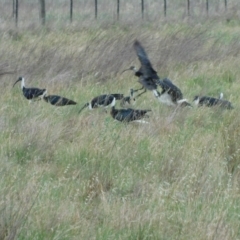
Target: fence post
point(13, 12)
point(16, 13)
point(188, 7)
point(142, 9)
point(207, 6)
point(118, 9)
point(165, 8)
point(42, 11)
point(225, 3)
point(96, 8)
point(71, 10)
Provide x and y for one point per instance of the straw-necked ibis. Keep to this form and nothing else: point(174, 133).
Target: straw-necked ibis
point(57, 100)
point(146, 74)
point(103, 101)
point(211, 102)
point(30, 93)
point(128, 115)
point(171, 94)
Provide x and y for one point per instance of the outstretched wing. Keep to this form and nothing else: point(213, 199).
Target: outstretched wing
point(146, 67)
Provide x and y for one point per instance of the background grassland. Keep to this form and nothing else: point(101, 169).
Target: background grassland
point(70, 176)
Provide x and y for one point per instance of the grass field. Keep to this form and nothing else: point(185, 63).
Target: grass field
point(70, 176)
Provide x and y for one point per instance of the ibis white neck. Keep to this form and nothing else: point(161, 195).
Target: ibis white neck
point(22, 83)
point(113, 102)
point(196, 101)
point(90, 106)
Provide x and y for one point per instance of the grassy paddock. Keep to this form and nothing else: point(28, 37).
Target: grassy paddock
point(70, 176)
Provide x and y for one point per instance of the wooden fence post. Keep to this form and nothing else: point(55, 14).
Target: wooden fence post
point(71, 10)
point(16, 13)
point(96, 9)
point(42, 11)
point(188, 7)
point(13, 8)
point(207, 7)
point(165, 8)
point(225, 3)
point(118, 9)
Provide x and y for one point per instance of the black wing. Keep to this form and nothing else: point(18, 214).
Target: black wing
point(31, 93)
point(168, 86)
point(127, 115)
point(138, 114)
point(118, 96)
point(146, 68)
point(102, 100)
point(60, 101)
point(210, 102)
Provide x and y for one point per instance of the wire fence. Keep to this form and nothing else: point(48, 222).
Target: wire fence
point(118, 10)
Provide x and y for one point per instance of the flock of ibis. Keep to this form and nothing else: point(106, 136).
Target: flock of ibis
point(170, 94)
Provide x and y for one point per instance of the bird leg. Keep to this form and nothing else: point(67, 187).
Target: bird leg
point(145, 90)
point(138, 89)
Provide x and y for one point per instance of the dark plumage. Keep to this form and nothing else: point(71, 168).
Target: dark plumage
point(211, 102)
point(146, 74)
point(57, 100)
point(103, 101)
point(149, 79)
point(128, 115)
point(173, 91)
point(30, 93)
point(171, 94)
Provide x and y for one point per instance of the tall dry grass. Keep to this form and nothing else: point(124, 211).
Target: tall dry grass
point(70, 176)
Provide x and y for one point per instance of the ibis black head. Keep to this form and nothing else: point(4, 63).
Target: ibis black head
point(195, 98)
point(19, 80)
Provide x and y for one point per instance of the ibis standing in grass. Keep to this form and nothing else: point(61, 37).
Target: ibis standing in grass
point(211, 102)
point(103, 101)
point(128, 115)
point(31, 94)
point(57, 100)
point(171, 94)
